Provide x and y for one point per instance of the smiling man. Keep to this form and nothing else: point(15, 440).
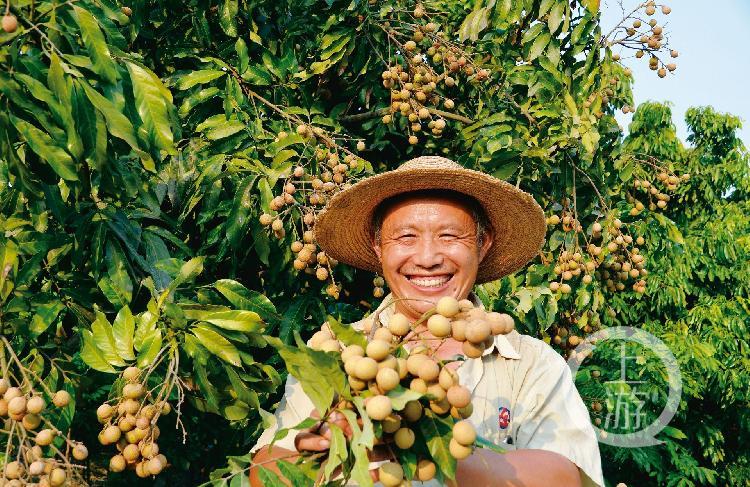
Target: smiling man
point(433, 228)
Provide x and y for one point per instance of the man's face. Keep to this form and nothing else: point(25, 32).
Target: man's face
point(428, 249)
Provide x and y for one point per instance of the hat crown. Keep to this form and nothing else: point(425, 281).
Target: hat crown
point(429, 162)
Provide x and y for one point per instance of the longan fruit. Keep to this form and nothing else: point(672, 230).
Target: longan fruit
point(383, 334)
point(319, 337)
point(439, 325)
point(117, 463)
point(17, 405)
point(413, 362)
point(464, 433)
point(459, 396)
point(472, 350)
point(36, 468)
point(412, 411)
point(418, 385)
point(458, 330)
point(154, 466)
point(10, 23)
point(356, 384)
point(465, 305)
point(447, 378)
point(350, 365)
point(140, 470)
point(448, 306)
point(428, 370)
point(131, 453)
point(111, 434)
point(500, 323)
point(104, 412)
point(387, 379)
point(391, 474)
point(149, 450)
point(44, 437)
point(331, 345)
point(57, 477)
point(366, 368)
point(440, 407)
point(3, 408)
point(457, 450)
point(14, 470)
point(4, 385)
point(61, 399)
point(35, 405)
point(477, 331)
point(391, 424)
point(133, 391)
point(379, 407)
point(352, 351)
point(437, 392)
point(390, 362)
point(31, 421)
point(126, 423)
point(404, 438)
point(80, 452)
point(426, 470)
point(131, 406)
point(132, 373)
point(378, 349)
point(399, 325)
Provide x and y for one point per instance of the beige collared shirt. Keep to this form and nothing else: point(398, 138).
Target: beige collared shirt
point(523, 396)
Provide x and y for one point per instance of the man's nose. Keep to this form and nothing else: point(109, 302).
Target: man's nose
point(428, 254)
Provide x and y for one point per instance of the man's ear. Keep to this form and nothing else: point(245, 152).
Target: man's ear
point(487, 240)
point(376, 248)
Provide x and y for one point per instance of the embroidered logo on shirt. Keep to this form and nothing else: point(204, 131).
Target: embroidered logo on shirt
point(503, 417)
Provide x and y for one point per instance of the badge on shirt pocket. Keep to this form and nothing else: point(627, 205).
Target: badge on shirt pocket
point(503, 418)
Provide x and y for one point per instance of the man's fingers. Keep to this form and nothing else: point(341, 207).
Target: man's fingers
point(374, 474)
point(311, 442)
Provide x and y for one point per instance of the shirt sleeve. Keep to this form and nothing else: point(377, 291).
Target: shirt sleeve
point(295, 407)
point(557, 419)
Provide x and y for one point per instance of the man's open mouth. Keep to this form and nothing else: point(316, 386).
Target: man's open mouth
point(436, 281)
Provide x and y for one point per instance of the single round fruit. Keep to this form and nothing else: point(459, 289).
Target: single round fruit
point(17, 405)
point(404, 438)
point(458, 451)
point(414, 361)
point(356, 384)
point(440, 407)
point(448, 306)
point(111, 434)
point(471, 350)
point(439, 325)
point(459, 396)
point(437, 392)
point(464, 433)
point(399, 325)
point(366, 368)
point(36, 468)
point(10, 23)
point(383, 334)
point(104, 412)
point(44, 437)
point(80, 452)
point(149, 450)
point(390, 362)
point(379, 407)
point(352, 351)
point(61, 399)
point(387, 379)
point(133, 391)
point(378, 349)
point(117, 463)
point(477, 331)
point(155, 466)
point(4, 385)
point(331, 345)
point(458, 330)
point(428, 370)
point(35, 405)
point(132, 373)
point(391, 474)
point(12, 393)
point(31, 421)
point(391, 424)
point(142, 422)
point(447, 378)
point(131, 453)
point(425, 470)
point(14, 470)
point(350, 365)
point(131, 406)
point(57, 477)
point(500, 323)
point(412, 411)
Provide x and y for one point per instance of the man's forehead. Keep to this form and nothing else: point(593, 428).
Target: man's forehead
point(432, 201)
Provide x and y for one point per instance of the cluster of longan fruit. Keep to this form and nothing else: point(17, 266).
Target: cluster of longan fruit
point(648, 38)
point(624, 260)
point(378, 290)
point(385, 364)
point(658, 199)
point(571, 265)
point(40, 463)
point(305, 192)
point(429, 62)
point(129, 423)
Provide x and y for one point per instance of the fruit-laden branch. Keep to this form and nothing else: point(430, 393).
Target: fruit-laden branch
point(384, 111)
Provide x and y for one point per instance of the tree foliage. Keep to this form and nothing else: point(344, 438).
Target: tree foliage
point(141, 143)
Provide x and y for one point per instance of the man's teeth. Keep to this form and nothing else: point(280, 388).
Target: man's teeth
point(430, 281)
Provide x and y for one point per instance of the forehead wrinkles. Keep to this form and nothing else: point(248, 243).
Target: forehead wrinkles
point(426, 215)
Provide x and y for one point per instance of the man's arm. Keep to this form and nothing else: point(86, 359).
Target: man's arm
point(520, 468)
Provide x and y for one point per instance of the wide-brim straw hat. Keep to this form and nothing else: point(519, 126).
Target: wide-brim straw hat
point(344, 229)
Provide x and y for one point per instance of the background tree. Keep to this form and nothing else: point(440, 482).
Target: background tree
point(161, 164)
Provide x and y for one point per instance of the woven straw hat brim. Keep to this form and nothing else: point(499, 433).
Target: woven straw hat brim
point(344, 228)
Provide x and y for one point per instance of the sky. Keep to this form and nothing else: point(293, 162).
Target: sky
point(713, 67)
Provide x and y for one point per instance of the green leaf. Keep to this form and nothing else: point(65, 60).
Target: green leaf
point(555, 17)
point(236, 411)
point(105, 340)
point(294, 474)
point(228, 17)
point(242, 55)
point(41, 143)
point(123, 329)
point(44, 315)
point(150, 348)
point(96, 45)
point(474, 24)
point(488, 445)
point(118, 124)
point(438, 432)
point(199, 77)
point(217, 344)
point(243, 298)
point(91, 354)
point(153, 101)
point(673, 232)
point(591, 5)
point(239, 320)
point(337, 453)
point(346, 333)
point(400, 396)
point(532, 33)
point(537, 47)
point(319, 373)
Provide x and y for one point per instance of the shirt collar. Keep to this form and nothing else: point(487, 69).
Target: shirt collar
point(502, 344)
